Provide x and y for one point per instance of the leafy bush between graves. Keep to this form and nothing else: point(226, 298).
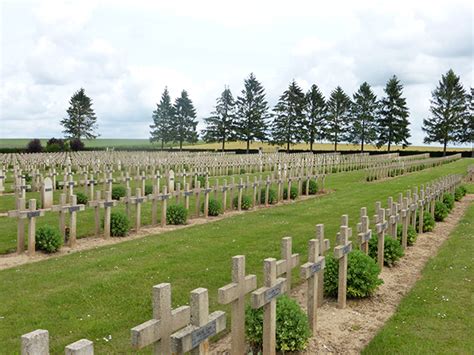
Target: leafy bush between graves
point(411, 234)
point(313, 187)
point(246, 202)
point(76, 144)
point(440, 212)
point(201, 179)
point(148, 189)
point(242, 171)
point(48, 239)
point(119, 224)
point(214, 207)
point(272, 196)
point(293, 192)
point(118, 192)
point(176, 214)
point(292, 327)
point(448, 200)
point(362, 275)
point(34, 146)
point(428, 222)
point(391, 253)
point(82, 198)
point(459, 193)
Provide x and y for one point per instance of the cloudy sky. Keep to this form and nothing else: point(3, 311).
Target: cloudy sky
point(124, 53)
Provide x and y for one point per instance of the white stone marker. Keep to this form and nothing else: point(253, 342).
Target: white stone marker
point(47, 193)
point(35, 343)
point(80, 347)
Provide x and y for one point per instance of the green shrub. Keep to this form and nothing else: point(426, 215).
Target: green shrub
point(118, 192)
point(214, 207)
point(176, 214)
point(292, 327)
point(272, 196)
point(82, 198)
point(448, 200)
point(119, 224)
point(362, 275)
point(411, 234)
point(148, 189)
point(246, 202)
point(201, 179)
point(459, 193)
point(392, 250)
point(313, 187)
point(440, 212)
point(428, 222)
point(48, 239)
point(242, 171)
point(293, 192)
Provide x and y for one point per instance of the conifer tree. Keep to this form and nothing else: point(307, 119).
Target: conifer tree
point(288, 123)
point(81, 121)
point(252, 112)
point(162, 120)
point(184, 125)
point(315, 111)
point(392, 120)
point(220, 126)
point(449, 110)
point(338, 116)
point(364, 112)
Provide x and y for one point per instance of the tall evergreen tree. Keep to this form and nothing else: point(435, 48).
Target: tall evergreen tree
point(288, 123)
point(392, 121)
point(338, 115)
point(449, 110)
point(81, 121)
point(220, 126)
point(468, 136)
point(162, 120)
point(364, 113)
point(315, 111)
point(252, 112)
point(184, 125)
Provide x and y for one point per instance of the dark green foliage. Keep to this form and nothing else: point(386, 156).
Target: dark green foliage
point(82, 198)
point(440, 212)
point(56, 145)
point(76, 144)
point(392, 250)
point(118, 192)
point(362, 275)
point(449, 111)
point(81, 120)
point(392, 121)
point(313, 187)
point(148, 189)
point(162, 120)
point(214, 207)
point(411, 234)
point(460, 192)
point(34, 146)
point(289, 118)
point(246, 202)
point(201, 179)
point(292, 327)
point(48, 239)
point(428, 222)
point(184, 123)
point(272, 196)
point(176, 214)
point(338, 114)
point(119, 224)
point(448, 200)
point(315, 110)
point(293, 192)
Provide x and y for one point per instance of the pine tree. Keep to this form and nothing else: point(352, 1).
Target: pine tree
point(252, 112)
point(162, 120)
point(288, 123)
point(220, 126)
point(468, 136)
point(338, 115)
point(364, 113)
point(448, 112)
point(315, 110)
point(184, 125)
point(81, 121)
point(392, 121)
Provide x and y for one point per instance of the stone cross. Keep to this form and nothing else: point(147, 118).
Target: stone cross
point(96, 205)
point(138, 200)
point(267, 190)
point(171, 181)
point(289, 261)
point(53, 175)
point(2, 179)
point(70, 185)
point(207, 190)
point(127, 200)
point(126, 179)
point(107, 205)
point(197, 193)
point(235, 293)
point(240, 186)
point(187, 194)
point(364, 233)
point(164, 198)
point(340, 252)
point(413, 209)
point(310, 272)
point(108, 182)
point(404, 213)
point(72, 208)
point(166, 321)
point(324, 245)
point(154, 197)
point(195, 337)
point(421, 205)
point(344, 222)
point(224, 196)
point(254, 192)
point(381, 226)
point(266, 297)
point(21, 187)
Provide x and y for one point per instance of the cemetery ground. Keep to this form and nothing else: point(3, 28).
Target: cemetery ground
point(100, 294)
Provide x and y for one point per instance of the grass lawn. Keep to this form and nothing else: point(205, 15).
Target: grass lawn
point(106, 291)
point(437, 316)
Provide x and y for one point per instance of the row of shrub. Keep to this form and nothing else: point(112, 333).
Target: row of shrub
point(54, 145)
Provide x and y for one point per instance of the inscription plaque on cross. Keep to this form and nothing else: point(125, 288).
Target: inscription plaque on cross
point(340, 253)
point(234, 293)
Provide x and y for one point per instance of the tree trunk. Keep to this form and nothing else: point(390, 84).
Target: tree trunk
point(288, 146)
point(248, 145)
point(335, 142)
point(162, 144)
point(223, 144)
point(445, 143)
point(362, 145)
point(180, 145)
point(388, 148)
point(311, 145)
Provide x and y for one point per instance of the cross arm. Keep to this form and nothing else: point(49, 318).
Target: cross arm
point(309, 269)
point(264, 295)
point(230, 292)
point(342, 250)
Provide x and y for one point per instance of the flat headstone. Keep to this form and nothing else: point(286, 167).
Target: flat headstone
point(171, 181)
point(80, 347)
point(47, 192)
point(35, 343)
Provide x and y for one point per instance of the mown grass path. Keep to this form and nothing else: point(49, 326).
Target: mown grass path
point(107, 291)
